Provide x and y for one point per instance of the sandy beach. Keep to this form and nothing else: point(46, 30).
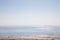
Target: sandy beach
point(31, 38)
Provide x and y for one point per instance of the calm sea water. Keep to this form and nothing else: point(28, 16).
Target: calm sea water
point(29, 31)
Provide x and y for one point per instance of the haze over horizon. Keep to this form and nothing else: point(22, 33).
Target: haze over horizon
point(29, 12)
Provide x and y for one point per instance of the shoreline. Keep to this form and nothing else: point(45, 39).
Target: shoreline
point(30, 38)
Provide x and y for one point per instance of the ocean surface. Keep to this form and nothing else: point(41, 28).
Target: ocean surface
point(29, 31)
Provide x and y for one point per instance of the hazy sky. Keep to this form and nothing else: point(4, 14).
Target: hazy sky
point(29, 12)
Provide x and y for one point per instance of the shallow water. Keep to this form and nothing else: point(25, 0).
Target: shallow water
point(29, 31)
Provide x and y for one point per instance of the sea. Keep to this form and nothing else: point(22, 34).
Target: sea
point(29, 30)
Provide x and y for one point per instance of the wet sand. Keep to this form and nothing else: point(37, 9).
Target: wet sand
point(31, 38)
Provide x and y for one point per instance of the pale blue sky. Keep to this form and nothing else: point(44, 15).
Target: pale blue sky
point(29, 12)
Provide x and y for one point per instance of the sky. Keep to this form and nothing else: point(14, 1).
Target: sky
point(29, 12)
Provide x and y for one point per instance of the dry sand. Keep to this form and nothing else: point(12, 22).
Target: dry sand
point(31, 38)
